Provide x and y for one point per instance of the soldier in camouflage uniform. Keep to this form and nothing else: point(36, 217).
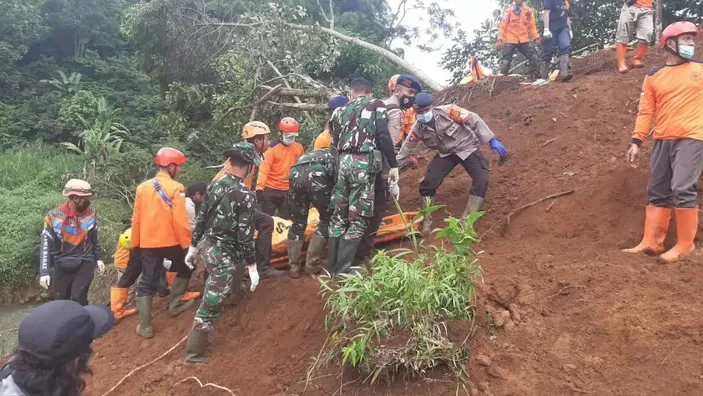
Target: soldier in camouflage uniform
point(312, 179)
point(224, 235)
point(360, 134)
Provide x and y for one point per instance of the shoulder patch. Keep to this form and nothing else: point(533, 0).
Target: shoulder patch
point(655, 70)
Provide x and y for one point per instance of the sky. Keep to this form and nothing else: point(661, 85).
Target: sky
point(469, 14)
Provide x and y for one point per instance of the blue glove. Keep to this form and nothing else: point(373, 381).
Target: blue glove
point(498, 147)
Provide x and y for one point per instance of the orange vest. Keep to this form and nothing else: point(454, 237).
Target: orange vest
point(517, 29)
point(273, 172)
point(323, 141)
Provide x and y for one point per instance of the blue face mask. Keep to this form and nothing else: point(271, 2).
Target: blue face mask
point(687, 51)
point(425, 118)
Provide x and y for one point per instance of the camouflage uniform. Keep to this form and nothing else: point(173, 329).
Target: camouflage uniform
point(225, 232)
point(312, 179)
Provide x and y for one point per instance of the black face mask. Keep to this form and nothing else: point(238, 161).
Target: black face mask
point(83, 205)
point(406, 102)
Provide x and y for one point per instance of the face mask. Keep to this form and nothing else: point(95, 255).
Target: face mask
point(687, 51)
point(83, 205)
point(425, 118)
point(406, 102)
point(517, 9)
point(288, 139)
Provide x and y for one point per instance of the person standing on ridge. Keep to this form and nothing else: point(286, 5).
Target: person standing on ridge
point(673, 96)
point(636, 19)
point(457, 134)
point(516, 28)
point(224, 235)
point(557, 34)
point(161, 231)
point(69, 245)
point(360, 136)
point(272, 185)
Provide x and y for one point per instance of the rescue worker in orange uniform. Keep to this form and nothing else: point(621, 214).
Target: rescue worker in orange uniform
point(272, 185)
point(257, 133)
point(517, 27)
point(324, 140)
point(673, 96)
point(636, 19)
point(161, 230)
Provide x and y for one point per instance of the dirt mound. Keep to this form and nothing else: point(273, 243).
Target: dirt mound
point(561, 311)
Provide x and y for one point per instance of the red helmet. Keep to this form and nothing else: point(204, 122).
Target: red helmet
point(289, 125)
point(167, 156)
point(392, 82)
point(676, 29)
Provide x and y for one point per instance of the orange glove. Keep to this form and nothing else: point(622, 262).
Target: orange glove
point(499, 44)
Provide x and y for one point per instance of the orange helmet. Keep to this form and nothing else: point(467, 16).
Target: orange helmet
point(392, 82)
point(255, 128)
point(167, 156)
point(288, 125)
point(677, 29)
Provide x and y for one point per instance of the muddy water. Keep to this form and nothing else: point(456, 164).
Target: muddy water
point(10, 318)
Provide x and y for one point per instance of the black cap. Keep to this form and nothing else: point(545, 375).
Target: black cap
point(409, 81)
point(423, 100)
point(62, 330)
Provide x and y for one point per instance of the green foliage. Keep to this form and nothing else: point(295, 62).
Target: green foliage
point(82, 105)
point(393, 320)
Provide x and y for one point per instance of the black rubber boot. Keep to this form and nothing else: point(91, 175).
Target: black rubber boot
point(564, 72)
point(144, 328)
point(346, 255)
point(332, 255)
point(196, 346)
point(294, 250)
point(544, 70)
point(314, 255)
point(178, 289)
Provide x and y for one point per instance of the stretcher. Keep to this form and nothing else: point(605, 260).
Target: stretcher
point(392, 228)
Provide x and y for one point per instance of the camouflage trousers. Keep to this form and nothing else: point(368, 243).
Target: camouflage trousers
point(300, 197)
point(352, 198)
point(220, 267)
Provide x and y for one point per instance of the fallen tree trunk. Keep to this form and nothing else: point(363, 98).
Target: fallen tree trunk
point(301, 106)
point(314, 93)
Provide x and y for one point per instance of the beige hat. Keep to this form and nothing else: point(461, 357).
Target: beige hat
point(77, 187)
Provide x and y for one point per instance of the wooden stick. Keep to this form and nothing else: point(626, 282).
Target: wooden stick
point(552, 204)
point(263, 99)
point(670, 353)
point(549, 141)
point(145, 365)
point(520, 209)
point(207, 384)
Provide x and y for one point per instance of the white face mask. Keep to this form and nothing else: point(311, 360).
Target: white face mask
point(287, 139)
point(687, 51)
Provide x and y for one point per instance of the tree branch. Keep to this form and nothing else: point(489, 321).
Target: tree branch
point(285, 81)
point(301, 106)
point(263, 99)
point(316, 93)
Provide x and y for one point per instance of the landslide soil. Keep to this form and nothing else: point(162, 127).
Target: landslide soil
point(561, 310)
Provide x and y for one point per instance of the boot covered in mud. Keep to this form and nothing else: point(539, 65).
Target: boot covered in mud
point(176, 305)
point(544, 70)
point(346, 256)
point(426, 227)
point(196, 346)
point(564, 72)
point(656, 224)
point(144, 328)
point(164, 286)
point(332, 255)
point(118, 301)
point(295, 249)
point(474, 205)
point(686, 227)
point(314, 256)
point(187, 296)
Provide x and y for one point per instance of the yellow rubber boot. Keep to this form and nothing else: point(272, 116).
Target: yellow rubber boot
point(621, 50)
point(187, 296)
point(641, 51)
point(118, 300)
point(686, 227)
point(656, 223)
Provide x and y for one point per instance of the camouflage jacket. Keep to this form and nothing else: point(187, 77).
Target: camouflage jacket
point(315, 167)
point(362, 127)
point(226, 218)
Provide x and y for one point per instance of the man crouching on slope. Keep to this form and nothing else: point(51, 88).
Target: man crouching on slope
point(673, 95)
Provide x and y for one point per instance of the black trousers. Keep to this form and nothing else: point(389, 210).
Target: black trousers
point(476, 165)
point(380, 205)
point(526, 49)
point(275, 200)
point(73, 285)
point(263, 224)
point(153, 267)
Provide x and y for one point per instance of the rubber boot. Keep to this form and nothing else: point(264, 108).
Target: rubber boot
point(564, 73)
point(474, 205)
point(346, 255)
point(686, 227)
point(621, 51)
point(118, 300)
point(505, 67)
point(164, 285)
point(656, 223)
point(332, 255)
point(294, 251)
point(196, 346)
point(314, 256)
point(187, 296)
point(144, 328)
point(637, 60)
point(426, 227)
point(176, 305)
point(544, 70)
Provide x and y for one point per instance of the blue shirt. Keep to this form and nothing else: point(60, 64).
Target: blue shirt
point(559, 14)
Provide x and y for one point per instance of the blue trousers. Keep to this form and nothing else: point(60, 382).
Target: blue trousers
point(560, 39)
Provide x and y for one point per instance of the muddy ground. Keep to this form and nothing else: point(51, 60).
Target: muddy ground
point(569, 313)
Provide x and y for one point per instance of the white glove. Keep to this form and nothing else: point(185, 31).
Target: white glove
point(45, 281)
point(547, 33)
point(101, 266)
point(253, 276)
point(394, 190)
point(571, 34)
point(393, 176)
point(190, 257)
point(167, 264)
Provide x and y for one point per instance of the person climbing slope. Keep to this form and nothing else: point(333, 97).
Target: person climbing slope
point(272, 186)
point(636, 20)
point(672, 95)
point(457, 135)
point(517, 27)
point(557, 35)
point(224, 235)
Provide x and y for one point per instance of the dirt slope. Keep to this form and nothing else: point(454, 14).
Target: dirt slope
point(584, 318)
